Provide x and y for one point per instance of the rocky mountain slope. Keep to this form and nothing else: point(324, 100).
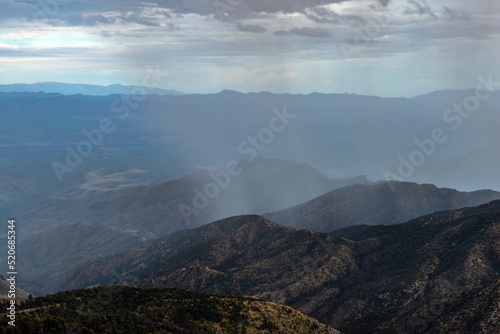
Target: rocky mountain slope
point(471, 311)
point(367, 275)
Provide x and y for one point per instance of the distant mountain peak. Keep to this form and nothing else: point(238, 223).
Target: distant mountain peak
point(229, 92)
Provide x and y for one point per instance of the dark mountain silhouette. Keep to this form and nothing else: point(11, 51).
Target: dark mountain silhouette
point(368, 276)
point(382, 203)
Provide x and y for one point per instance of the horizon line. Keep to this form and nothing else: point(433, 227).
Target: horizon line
point(212, 93)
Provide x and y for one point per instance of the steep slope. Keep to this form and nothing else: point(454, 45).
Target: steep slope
point(237, 253)
point(472, 311)
point(382, 203)
point(482, 305)
point(361, 275)
point(196, 199)
point(457, 256)
point(163, 310)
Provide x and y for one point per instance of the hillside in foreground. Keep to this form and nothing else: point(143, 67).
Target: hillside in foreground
point(123, 309)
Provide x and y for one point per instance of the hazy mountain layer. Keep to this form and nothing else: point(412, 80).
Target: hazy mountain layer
point(383, 203)
point(193, 200)
point(57, 144)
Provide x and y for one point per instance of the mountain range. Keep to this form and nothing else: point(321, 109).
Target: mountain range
point(392, 225)
point(84, 89)
point(373, 277)
point(64, 236)
point(169, 136)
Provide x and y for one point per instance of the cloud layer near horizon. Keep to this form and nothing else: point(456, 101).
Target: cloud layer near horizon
point(378, 47)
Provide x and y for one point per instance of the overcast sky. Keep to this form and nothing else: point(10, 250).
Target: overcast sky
point(376, 47)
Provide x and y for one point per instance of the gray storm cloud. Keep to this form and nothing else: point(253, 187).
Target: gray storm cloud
point(251, 28)
point(306, 31)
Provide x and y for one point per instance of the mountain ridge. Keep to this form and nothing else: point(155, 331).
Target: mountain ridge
point(93, 89)
point(339, 278)
point(389, 203)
